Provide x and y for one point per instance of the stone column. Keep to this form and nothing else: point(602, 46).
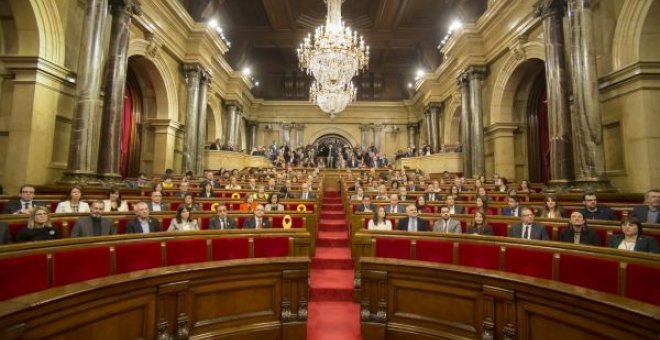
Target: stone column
point(440, 125)
point(205, 79)
point(587, 127)
point(286, 130)
point(427, 126)
point(363, 135)
point(466, 116)
point(378, 131)
point(83, 146)
point(232, 109)
point(192, 74)
point(237, 128)
point(433, 115)
point(299, 134)
point(412, 134)
point(115, 84)
point(556, 75)
point(476, 74)
point(252, 136)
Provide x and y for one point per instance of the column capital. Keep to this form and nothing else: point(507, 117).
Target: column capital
point(436, 107)
point(476, 72)
point(364, 127)
point(191, 73)
point(299, 126)
point(286, 126)
point(549, 8)
point(378, 127)
point(412, 125)
point(205, 77)
point(232, 104)
point(125, 7)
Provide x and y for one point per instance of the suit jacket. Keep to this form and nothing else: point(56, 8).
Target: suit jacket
point(422, 225)
point(5, 235)
point(486, 230)
point(644, 243)
point(453, 226)
point(458, 210)
point(163, 206)
point(134, 226)
point(400, 209)
point(601, 213)
point(83, 227)
point(506, 211)
point(538, 231)
point(251, 223)
point(12, 207)
point(641, 214)
point(214, 223)
point(438, 197)
point(587, 236)
point(361, 207)
point(310, 196)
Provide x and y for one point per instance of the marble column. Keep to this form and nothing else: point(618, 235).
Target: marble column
point(466, 116)
point(476, 75)
point(556, 75)
point(232, 110)
point(300, 128)
point(364, 128)
point(192, 73)
point(238, 120)
point(412, 134)
point(435, 110)
point(83, 146)
point(114, 85)
point(204, 81)
point(378, 131)
point(586, 119)
point(440, 125)
point(286, 133)
point(252, 136)
point(427, 126)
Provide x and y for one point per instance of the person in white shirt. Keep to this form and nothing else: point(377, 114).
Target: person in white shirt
point(379, 220)
point(447, 224)
point(73, 204)
point(183, 220)
point(114, 201)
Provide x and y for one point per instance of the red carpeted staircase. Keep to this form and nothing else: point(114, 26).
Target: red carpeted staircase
point(332, 312)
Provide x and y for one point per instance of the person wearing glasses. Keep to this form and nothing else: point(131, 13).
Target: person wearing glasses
point(39, 227)
point(24, 204)
point(257, 221)
point(221, 221)
point(527, 229)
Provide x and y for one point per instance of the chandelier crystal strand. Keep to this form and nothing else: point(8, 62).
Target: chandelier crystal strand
point(333, 56)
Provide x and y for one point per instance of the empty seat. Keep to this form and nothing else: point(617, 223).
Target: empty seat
point(271, 246)
point(137, 256)
point(479, 255)
point(23, 275)
point(185, 251)
point(589, 272)
point(394, 248)
point(230, 248)
point(80, 264)
point(643, 283)
point(528, 261)
point(434, 251)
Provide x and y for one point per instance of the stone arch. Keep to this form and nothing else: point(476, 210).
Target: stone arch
point(453, 126)
point(38, 29)
point(626, 44)
point(332, 131)
point(452, 106)
point(160, 76)
point(214, 118)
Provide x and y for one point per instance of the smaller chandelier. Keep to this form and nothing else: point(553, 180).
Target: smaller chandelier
point(333, 100)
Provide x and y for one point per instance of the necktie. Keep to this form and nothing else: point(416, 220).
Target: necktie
point(26, 205)
point(526, 232)
point(258, 223)
point(222, 224)
point(392, 210)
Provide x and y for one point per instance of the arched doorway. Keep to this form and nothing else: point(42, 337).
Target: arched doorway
point(538, 138)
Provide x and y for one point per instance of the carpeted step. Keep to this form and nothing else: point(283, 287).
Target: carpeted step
point(334, 200)
point(332, 207)
point(332, 258)
point(333, 214)
point(331, 194)
point(332, 239)
point(333, 225)
point(331, 285)
point(333, 321)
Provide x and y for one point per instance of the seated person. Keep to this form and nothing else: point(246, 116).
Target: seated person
point(422, 207)
point(379, 220)
point(261, 193)
point(73, 204)
point(183, 220)
point(403, 194)
point(189, 202)
point(252, 184)
point(248, 205)
point(233, 184)
point(524, 187)
point(114, 201)
point(271, 185)
point(366, 205)
point(479, 225)
point(650, 211)
point(412, 222)
point(24, 204)
point(94, 224)
point(431, 195)
point(446, 224)
point(394, 207)
point(578, 232)
point(141, 182)
point(482, 204)
point(304, 192)
point(513, 208)
point(527, 228)
point(632, 238)
point(183, 189)
point(358, 195)
point(5, 235)
point(593, 211)
point(208, 178)
point(39, 227)
point(156, 203)
point(551, 208)
point(382, 193)
point(454, 209)
point(167, 183)
point(221, 221)
point(142, 223)
point(207, 190)
point(257, 221)
point(274, 203)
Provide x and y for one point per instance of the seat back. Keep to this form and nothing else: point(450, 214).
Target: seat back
point(271, 246)
point(185, 251)
point(230, 248)
point(643, 283)
point(137, 256)
point(479, 255)
point(77, 265)
point(434, 251)
point(589, 272)
point(393, 248)
point(23, 275)
point(528, 261)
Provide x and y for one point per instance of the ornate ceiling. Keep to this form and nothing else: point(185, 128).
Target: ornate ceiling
point(403, 35)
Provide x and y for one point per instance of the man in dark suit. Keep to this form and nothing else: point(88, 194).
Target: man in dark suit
point(257, 221)
point(650, 212)
point(25, 204)
point(94, 224)
point(431, 195)
point(156, 203)
point(593, 211)
point(142, 223)
point(527, 229)
point(221, 221)
point(305, 194)
point(577, 232)
point(394, 207)
point(412, 222)
point(366, 205)
point(5, 235)
point(453, 208)
point(514, 206)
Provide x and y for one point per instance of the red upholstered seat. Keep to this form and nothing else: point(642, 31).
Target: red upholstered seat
point(174, 206)
point(588, 272)
point(479, 255)
point(296, 222)
point(230, 248)
point(499, 228)
point(15, 227)
point(464, 226)
point(434, 251)
point(528, 261)
point(165, 223)
point(23, 275)
point(185, 251)
point(204, 222)
point(643, 283)
point(271, 247)
point(239, 221)
point(206, 206)
point(121, 225)
point(137, 256)
point(394, 248)
point(80, 264)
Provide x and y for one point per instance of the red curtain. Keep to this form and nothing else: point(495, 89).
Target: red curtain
point(126, 131)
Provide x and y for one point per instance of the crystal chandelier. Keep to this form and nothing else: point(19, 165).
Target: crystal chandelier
point(333, 56)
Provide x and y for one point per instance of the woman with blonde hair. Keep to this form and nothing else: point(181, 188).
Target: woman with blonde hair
point(39, 227)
